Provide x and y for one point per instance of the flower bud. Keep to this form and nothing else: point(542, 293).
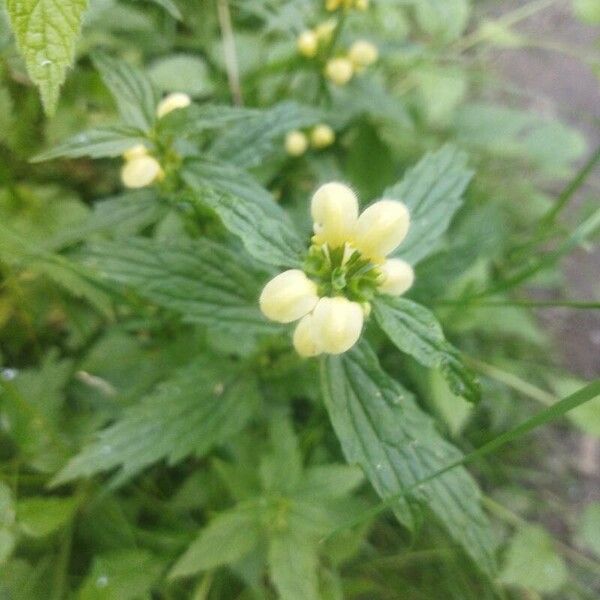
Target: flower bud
point(363, 54)
point(135, 152)
point(397, 277)
point(338, 323)
point(308, 43)
point(361, 4)
point(381, 228)
point(306, 339)
point(324, 31)
point(288, 296)
point(172, 102)
point(334, 209)
point(296, 143)
point(140, 172)
point(332, 5)
point(339, 70)
point(322, 136)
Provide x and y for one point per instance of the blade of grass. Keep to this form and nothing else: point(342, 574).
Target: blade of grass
point(543, 417)
point(572, 187)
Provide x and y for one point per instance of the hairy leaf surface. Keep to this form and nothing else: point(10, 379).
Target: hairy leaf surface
point(204, 281)
point(432, 190)
point(248, 211)
point(416, 331)
point(381, 428)
point(46, 33)
point(202, 405)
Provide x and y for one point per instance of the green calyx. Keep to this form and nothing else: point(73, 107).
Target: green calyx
point(339, 273)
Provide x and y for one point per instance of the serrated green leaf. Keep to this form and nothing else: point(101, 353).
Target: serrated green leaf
point(247, 210)
point(39, 517)
point(432, 190)
point(293, 565)
point(203, 404)
point(227, 538)
point(46, 33)
point(532, 562)
point(95, 143)
point(206, 282)
point(415, 331)
point(132, 90)
point(381, 428)
point(121, 217)
point(249, 144)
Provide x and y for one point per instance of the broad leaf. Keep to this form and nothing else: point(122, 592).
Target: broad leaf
point(433, 191)
point(202, 405)
point(381, 428)
point(225, 539)
point(132, 90)
point(416, 331)
point(532, 562)
point(293, 565)
point(121, 216)
point(248, 144)
point(46, 33)
point(38, 517)
point(95, 143)
point(206, 282)
point(247, 210)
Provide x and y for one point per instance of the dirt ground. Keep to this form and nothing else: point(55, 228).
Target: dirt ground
point(564, 86)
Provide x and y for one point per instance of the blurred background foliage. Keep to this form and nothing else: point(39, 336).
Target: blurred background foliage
point(75, 361)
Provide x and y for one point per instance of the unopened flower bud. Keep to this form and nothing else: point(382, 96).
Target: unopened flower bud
point(288, 296)
point(381, 228)
point(135, 152)
point(339, 70)
point(324, 31)
point(306, 339)
point(308, 43)
point(296, 143)
point(172, 102)
point(338, 323)
point(363, 54)
point(334, 209)
point(140, 172)
point(397, 277)
point(322, 136)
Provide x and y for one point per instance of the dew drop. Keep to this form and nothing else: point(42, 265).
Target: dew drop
point(9, 374)
point(102, 581)
point(379, 466)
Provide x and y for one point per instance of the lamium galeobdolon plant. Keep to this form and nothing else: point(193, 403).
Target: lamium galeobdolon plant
point(222, 364)
point(345, 268)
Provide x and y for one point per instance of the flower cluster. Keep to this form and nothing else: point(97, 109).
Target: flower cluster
point(141, 168)
point(311, 41)
point(346, 267)
point(319, 137)
point(340, 69)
